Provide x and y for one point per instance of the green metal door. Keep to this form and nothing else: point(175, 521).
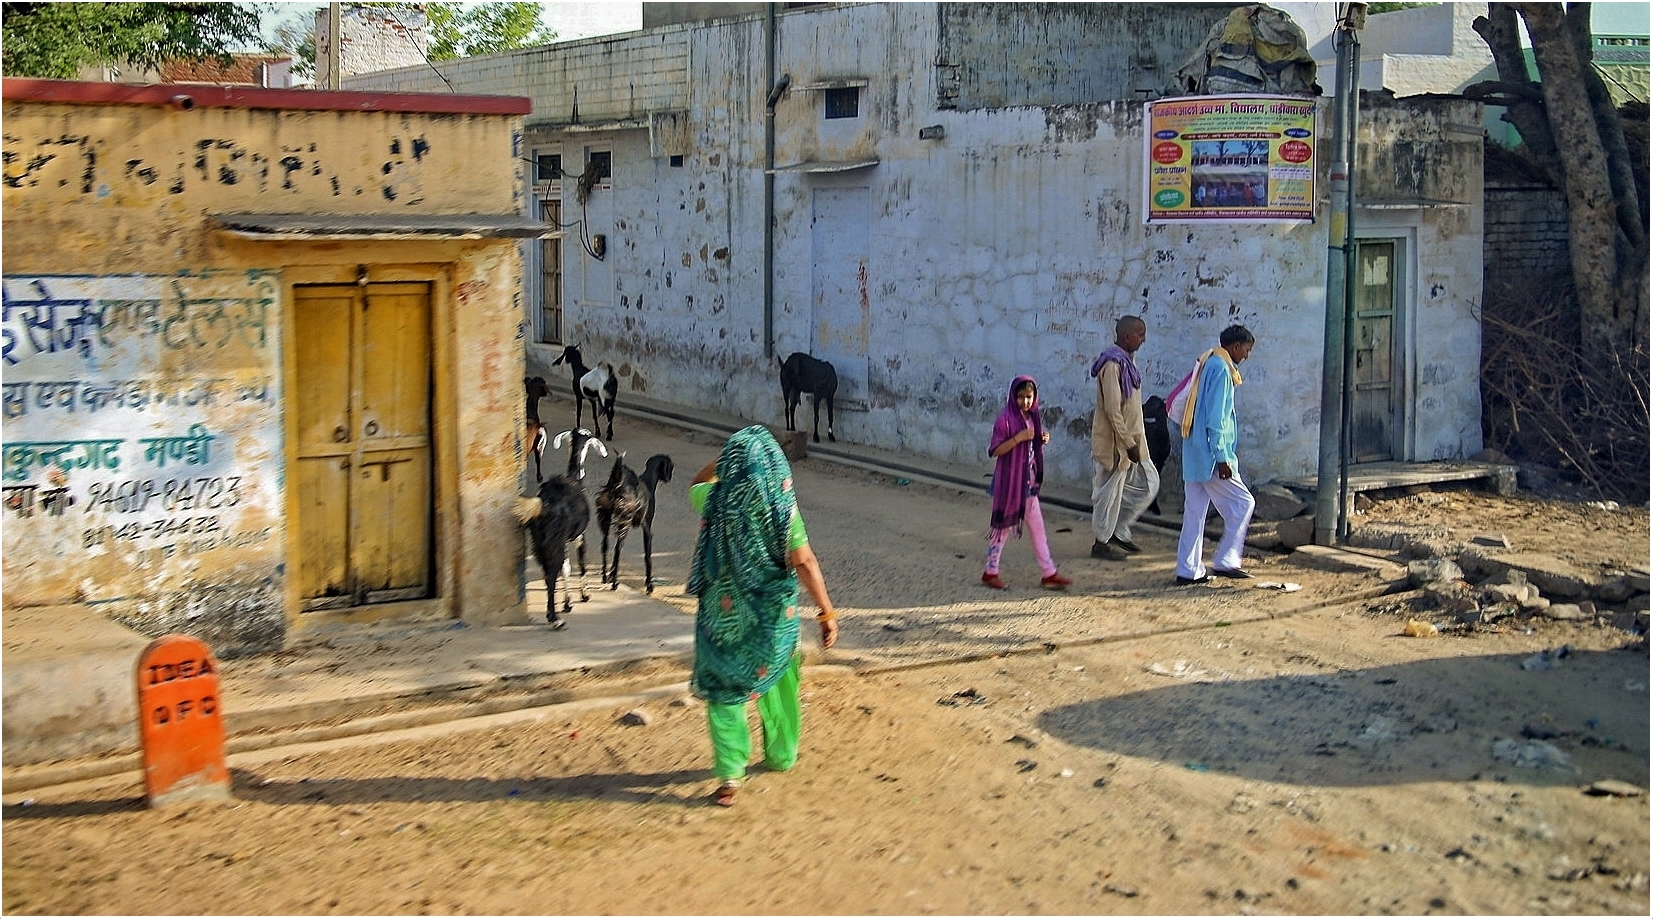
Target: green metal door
point(1374, 401)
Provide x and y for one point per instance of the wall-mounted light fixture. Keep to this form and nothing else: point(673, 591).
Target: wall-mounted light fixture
point(933, 132)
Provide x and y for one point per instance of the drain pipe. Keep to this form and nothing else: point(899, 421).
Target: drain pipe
point(777, 88)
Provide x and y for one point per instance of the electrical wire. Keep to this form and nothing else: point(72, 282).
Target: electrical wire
point(426, 57)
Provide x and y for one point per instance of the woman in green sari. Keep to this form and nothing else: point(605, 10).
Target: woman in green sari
point(750, 557)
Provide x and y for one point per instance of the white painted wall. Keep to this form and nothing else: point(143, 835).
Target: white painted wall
point(1010, 246)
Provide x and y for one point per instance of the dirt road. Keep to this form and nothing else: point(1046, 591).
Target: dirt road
point(1208, 751)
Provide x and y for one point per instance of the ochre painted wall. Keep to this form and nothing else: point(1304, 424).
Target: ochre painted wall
point(146, 365)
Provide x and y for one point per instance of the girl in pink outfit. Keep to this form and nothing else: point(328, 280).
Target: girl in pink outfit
point(1018, 445)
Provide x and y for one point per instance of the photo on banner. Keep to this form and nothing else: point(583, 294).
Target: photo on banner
point(1229, 159)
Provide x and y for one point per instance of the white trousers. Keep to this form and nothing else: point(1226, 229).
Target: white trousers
point(1234, 504)
point(1119, 496)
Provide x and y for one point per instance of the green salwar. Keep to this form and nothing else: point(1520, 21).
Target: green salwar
point(781, 714)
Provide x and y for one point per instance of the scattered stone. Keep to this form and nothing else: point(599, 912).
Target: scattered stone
point(1612, 788)
point(1495, 540)
point(1506, 593)
point(1565, 611)
point(1428, 571)
point(1026, 765)
point(1571, 874)
point(1296, 532)
point(1613, 590)
point(636, 717)
point(1548, 659)
point(1276, 502)
point(894, 627)
point(1454, 597)
point(1533, 754)
point(963, 697)
point(1024, 740)
point(1386, 537)
point(1120, 889)
point(1540, 727)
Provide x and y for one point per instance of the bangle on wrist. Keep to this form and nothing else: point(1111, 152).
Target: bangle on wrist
point(826, 617)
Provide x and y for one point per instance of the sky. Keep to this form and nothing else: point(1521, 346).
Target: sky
point(575, 20)
point(1619, 18)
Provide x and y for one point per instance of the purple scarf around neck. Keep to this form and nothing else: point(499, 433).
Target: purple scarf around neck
point(1019, 473)
point(1130, 376)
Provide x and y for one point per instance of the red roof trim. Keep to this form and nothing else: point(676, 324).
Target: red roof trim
point(252, 97)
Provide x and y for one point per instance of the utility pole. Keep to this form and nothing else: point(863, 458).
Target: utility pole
point(335, 56)
point(1330, 507)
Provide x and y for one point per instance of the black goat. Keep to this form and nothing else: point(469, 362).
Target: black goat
point(601, 385)
point(537, 390)
point(628, 501)
point(1156, 425)
point(556, 516)
point(559, 516)
point(801, 374)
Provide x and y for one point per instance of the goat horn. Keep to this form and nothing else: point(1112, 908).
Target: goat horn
point(560, 439)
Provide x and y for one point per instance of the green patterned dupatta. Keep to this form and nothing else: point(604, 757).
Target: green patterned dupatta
point(747, 625)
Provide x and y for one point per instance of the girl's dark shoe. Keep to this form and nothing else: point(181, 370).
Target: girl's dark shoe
point(993, 581)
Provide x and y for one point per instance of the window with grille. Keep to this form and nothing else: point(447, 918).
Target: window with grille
point(843, 102)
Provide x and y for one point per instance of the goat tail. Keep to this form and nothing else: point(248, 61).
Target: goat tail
point(527, 509)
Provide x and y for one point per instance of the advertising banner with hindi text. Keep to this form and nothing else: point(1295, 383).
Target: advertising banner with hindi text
point(1230, 159)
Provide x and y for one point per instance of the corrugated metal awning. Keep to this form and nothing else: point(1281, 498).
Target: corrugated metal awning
point(383, 226)
point(823, 166)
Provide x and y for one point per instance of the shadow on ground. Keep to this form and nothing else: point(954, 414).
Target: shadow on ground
point(1456, 719)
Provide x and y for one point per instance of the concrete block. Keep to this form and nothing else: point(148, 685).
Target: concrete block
point(1296, 532)
point(70, 685)
point(1556, 578)
point(1326, 558)
point(1276, 502)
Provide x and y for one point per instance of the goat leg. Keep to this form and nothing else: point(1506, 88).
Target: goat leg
point(614, 573)
point(585, 595)
point(648, 558)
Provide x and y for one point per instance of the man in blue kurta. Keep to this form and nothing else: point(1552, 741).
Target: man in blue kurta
point(1210, 469)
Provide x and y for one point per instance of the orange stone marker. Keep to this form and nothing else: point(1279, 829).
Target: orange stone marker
point(181, 723)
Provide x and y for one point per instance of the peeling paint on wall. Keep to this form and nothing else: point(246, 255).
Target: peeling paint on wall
point(142, 434)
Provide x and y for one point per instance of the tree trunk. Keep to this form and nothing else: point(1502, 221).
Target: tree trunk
point(1613, 309)
point(1501, 30)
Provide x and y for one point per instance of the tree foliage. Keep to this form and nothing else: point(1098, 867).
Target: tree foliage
point(455, 30)
point(468, 29)
point(55, 40)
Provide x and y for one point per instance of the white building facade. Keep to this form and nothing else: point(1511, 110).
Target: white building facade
point(955, 197)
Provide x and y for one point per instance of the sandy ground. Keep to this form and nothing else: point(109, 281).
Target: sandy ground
point(1215, 750)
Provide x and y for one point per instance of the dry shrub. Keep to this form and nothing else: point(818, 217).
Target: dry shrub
point(1545, 400)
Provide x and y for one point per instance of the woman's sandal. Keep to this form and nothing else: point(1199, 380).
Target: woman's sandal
point(726, 794)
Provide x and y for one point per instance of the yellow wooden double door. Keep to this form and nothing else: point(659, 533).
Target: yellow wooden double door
point(363, 461)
